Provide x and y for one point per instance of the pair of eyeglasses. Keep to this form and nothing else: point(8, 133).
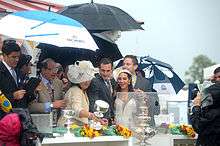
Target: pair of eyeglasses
point(53, 69)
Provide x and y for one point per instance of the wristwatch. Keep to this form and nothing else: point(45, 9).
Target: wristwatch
point(51, 105)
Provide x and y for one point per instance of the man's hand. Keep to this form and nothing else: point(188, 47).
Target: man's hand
point(197, 100)
point(59, 103)
point(19, 94)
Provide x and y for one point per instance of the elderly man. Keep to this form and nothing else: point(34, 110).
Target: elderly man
point(102, 87)
point(51, 95)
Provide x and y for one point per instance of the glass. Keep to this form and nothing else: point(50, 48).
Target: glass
point(68, 114)
point(55, 70)
point(13, 57)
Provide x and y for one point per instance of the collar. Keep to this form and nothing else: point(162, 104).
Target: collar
point(44, 80)
point(7, 66)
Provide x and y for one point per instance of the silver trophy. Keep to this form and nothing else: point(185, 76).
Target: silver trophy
point(69, 115)
point(132, 111)
point(100, 108)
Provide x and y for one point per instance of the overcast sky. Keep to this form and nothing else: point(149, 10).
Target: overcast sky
point(175, 30)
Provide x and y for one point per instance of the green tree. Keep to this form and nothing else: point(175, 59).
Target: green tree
point(195, 71)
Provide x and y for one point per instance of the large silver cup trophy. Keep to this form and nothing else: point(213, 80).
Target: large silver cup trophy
point(132, 111)
point(69, 115)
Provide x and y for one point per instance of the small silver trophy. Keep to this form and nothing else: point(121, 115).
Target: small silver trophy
point(100, 107)
point(68, 114)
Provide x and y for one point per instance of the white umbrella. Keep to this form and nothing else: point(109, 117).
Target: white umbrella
point(47, 27)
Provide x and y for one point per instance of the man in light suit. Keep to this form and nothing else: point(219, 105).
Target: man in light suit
point(8, 74)
point(51, 95)
point(102, 88)
point(141, 84)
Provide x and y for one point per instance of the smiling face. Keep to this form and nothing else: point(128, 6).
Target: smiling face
point(50, 71)
point(123, 81)
point(12, 58)
point(105, 71)
point(129, 65)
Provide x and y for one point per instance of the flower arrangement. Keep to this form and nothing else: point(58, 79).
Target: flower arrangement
point(182, 129)
point(87, 131)
point(123, 131)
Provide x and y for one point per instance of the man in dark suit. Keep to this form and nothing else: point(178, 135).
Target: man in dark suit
point(102, 87)
point(141, 84)
point(8, 74)
point(130, 63)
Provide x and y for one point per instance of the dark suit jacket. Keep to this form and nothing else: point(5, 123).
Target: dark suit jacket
point(143, 84)
point(99, 91)
point(7, 84)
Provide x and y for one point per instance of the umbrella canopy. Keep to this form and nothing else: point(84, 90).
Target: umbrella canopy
point(47, 27)
point(101, 17)
point(161, 74)
point(67, 55)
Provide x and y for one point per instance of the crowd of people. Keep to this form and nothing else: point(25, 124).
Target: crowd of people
point(75, 87)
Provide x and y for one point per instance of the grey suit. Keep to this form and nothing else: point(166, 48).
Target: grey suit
point(143, 84)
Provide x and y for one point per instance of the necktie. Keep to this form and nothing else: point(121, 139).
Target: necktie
point(50, 91)
point(13, 73)
point(109, 86)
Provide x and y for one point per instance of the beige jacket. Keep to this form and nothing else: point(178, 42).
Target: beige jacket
point(38, 105)
point(77, 100)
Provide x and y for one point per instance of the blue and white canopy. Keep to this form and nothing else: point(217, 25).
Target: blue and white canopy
point(47, 27)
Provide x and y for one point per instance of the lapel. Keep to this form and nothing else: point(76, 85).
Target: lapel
point(104, 86)
point(7, 74)
point(137, 82)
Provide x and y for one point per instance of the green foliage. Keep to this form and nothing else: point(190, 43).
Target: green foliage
point(195, 71)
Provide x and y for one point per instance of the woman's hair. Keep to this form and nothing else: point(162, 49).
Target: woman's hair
point(130, 86)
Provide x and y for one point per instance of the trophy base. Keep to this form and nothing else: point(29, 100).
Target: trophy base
point(99, 114)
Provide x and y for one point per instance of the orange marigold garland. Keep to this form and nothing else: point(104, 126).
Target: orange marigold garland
point(123, 131)
point(182, 130)
point(87, 131)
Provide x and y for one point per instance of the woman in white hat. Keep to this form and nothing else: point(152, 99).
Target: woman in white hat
point(125, 105)
point(80, 75)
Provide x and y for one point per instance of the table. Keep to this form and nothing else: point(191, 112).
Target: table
point(168, 140)
point(85, 141)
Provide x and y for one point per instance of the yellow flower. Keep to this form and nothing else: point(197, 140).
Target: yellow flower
point(171, 125)
point(73, 126)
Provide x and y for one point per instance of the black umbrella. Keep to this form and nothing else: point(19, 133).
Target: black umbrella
point(101, 17)
point(68, 55)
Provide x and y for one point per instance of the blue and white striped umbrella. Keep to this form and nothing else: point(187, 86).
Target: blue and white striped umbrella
point(161, 75)
point(47, 27)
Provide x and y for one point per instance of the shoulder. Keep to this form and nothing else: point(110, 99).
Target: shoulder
point(2, 67)
point(74, 90)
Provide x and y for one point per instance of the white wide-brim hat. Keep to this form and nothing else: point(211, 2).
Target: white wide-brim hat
point(81, 71)
point(118, 71)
